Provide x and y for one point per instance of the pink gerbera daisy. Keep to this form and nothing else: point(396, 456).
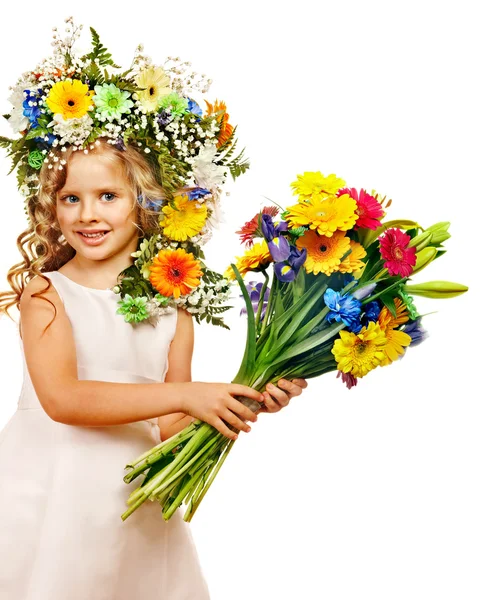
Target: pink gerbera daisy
point(399, 259)
point(369, 210)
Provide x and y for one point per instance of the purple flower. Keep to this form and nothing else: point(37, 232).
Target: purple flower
point(119, 144)
point(347, 378)
point(254, 291)
point(164, 117)
point(345, 309)
point(287, 271)
point(279, 248)
point(416, 331)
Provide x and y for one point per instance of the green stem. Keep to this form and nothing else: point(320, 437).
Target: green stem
point(271, 297)
point(261, 301)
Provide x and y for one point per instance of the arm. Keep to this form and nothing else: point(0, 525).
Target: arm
point(179, 370)
point(51, 361)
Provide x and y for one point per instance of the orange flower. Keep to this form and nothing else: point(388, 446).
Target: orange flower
point(226, 128)
point(352, 262)
point(175, 272)
point(397, 340)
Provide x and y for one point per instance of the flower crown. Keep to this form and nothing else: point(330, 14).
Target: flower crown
point(71, 101)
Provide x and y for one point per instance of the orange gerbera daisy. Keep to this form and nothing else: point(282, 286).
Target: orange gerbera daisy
point(175, 272)
point(352, 262)
point(396, 340)
point(323, 253)
point(226, 128)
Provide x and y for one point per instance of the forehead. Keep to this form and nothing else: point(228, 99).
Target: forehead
point(94, 170)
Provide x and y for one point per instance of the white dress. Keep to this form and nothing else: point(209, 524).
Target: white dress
point(61, 486)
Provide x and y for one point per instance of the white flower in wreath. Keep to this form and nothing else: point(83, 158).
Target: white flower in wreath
point(71, 131)
point(206, 174)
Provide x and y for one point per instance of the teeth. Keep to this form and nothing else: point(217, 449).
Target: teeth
point(93, 234)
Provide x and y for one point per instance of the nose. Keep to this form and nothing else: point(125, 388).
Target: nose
point(88, 211)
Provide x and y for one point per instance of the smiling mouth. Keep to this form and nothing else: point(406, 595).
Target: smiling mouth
point(93, 236)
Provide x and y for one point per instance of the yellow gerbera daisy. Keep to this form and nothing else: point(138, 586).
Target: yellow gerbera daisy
point(323, 253)
point(257, 257)
point(313, 184)
point(359, 353)
point(326, 215)
point(396, 340)
point(70, 98)
point(352, 262)
point(185, 220)
point(156, 83)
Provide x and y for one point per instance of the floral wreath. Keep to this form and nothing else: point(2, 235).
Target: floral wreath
point(71, 101)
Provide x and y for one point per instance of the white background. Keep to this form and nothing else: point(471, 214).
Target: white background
point(385, 491)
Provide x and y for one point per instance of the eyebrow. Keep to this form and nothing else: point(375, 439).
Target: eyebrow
point(99, 190)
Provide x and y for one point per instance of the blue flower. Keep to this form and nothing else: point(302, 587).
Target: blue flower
point(45, 144)
point(32, 112)
point(151, 204)
point(416, 331)
point(345, 309)
point(371, 312)
point(194, 108)
point(198, 192)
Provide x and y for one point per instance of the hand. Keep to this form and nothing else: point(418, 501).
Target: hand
point(215, 404)
point(275, 398)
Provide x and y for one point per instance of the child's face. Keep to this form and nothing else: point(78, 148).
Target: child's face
point(97, 196)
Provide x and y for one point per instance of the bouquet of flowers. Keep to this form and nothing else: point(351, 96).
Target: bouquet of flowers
point(340, 299)
point(72, 99)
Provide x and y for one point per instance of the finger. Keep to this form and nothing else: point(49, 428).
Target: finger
point(271, 405)
point(244, 390)
point(222, 428)
point(291, 388)
point(302, 383)
point(243, 411)
point(279, 395)
point(234, 420)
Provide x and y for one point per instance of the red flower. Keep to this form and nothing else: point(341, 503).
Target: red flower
point(399, 259)
point(252, 228)
point(369, 210)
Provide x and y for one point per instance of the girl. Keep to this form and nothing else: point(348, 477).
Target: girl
point(98, 392)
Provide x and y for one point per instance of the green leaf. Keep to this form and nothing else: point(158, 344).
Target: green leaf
point(248, 360)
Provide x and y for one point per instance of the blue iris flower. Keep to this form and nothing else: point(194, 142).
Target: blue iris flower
point(345, 309)
point(151, 204)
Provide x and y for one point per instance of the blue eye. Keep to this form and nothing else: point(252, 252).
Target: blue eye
point(109, 194)
point(66, 197)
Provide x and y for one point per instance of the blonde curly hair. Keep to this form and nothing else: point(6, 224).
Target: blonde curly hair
point(42, 245)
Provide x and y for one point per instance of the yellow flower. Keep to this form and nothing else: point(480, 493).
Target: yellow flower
point(156, 83)
point(323, 253)
point(185, 220)
point(254, 259)
point(326, 215)
point(313, 184)
point(396, 340)
point(70, 98)
point(352, 262)
point(359, 353)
